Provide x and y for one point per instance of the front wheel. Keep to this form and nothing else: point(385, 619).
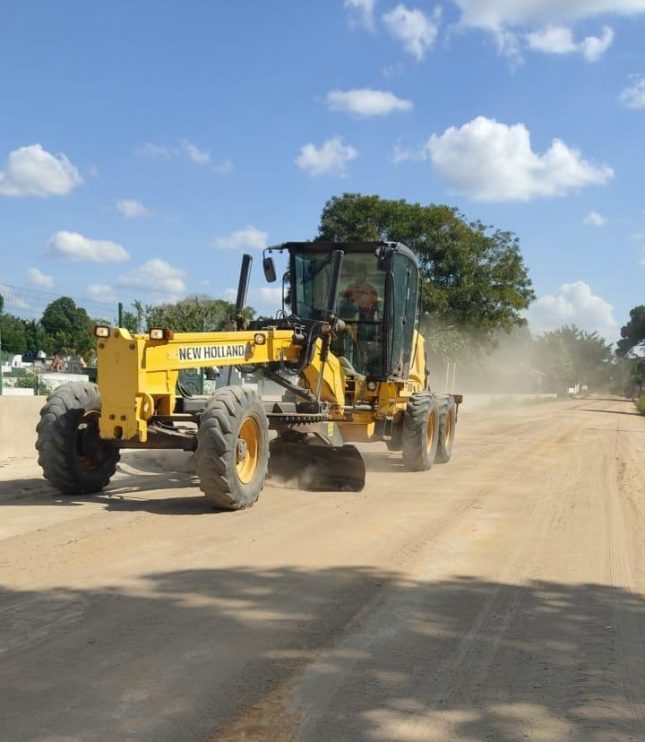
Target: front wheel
point(71, 453)
point(232, 448)
point(420, 432)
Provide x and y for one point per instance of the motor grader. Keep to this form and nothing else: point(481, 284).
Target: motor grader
point(345, 352)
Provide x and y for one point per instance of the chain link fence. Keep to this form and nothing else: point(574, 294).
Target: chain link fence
point(33, 371)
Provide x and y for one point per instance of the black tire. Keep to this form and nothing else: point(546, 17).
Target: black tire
point(72, 455)
point(447, 433)
point(420, 433)
point(223, 452)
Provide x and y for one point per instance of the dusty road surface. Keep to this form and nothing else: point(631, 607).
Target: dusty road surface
point(499, 597)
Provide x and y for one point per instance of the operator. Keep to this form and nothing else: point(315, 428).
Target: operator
point(362, 294)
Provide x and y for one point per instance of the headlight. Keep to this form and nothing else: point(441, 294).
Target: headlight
point(160, 333)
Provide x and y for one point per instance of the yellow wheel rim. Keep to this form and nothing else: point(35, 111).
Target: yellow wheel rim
point(448, 431)
point(247, 450)
point(430, 432)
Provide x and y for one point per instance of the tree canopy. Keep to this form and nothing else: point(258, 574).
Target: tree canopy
point(193, 314)
point(632, 334)
point(572, 356)
point(67, 327)
point(473, 275)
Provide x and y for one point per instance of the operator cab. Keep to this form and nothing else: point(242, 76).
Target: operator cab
point(377, 300)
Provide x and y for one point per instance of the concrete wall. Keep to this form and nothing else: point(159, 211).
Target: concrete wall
point(18, 419)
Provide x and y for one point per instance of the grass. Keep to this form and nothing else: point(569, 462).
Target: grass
point(640, 404)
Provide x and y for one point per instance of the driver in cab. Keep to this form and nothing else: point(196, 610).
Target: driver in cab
point(362, 295)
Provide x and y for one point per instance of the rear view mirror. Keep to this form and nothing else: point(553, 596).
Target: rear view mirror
point(269, 269)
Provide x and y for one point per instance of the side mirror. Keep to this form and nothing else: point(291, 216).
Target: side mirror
point(268, 266)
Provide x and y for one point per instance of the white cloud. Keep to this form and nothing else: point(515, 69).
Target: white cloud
point(331, 157)
point(155, 152)
point(497, 14)
point(226, 166)
point(38, 278)
point(559, 40)
point(249, 238)
point(595, 219)
point(191, 152)
point(32, 171)
point(132, 209)
point(552, 40)
point(74, 246)
point(573, 303)
point(490, 161)
point(156, 276)
point(367, 102)
point(361, 12)
point(634, 95)
point(101, 292)
point(413, 28)
point(185, 151)
point(403, 154)
point(593, 47)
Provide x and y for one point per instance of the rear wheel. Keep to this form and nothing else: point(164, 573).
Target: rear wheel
point(70, 451)
point(447, 433)
point(232, 448)
point(420, 433)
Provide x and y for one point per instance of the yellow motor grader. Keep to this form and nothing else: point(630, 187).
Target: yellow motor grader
point(345, 353)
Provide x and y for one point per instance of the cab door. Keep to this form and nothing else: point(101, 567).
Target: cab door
point(403, 295)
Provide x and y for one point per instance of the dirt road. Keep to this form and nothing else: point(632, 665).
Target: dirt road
point(499, 597)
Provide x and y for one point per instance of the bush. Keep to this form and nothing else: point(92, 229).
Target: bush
point(32, 381)
point(640, 404)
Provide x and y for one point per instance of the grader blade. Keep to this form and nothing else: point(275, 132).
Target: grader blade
point(317, 467)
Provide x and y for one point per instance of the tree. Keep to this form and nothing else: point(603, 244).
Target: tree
point(12, 332)
point(473, 276)
point(553, 358)
point(192, 314)
point(632, 334)
point(67, 327)
point(573, 356)
point(36, 339)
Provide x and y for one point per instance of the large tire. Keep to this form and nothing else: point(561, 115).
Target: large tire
point(447, 433)
point(420, 433)
point(232, 448)
point(72, 455)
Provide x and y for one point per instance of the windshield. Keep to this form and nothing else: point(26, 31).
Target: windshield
point(360, 304)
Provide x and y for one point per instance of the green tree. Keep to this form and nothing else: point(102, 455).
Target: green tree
point(573, 356)
point(192, 314)
point(473, 276)
point(632, 334)
point(67, 327)
point(36, 339)
point(13, 334)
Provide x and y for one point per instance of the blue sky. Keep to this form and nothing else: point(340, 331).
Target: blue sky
point(145, 145)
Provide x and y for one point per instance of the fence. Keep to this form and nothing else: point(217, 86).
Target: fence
point(29, 305)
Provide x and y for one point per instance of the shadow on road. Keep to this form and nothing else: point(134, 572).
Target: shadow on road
point(609, 412)
point(203, 652)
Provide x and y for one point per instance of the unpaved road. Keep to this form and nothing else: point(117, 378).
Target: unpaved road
point(499, 597)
